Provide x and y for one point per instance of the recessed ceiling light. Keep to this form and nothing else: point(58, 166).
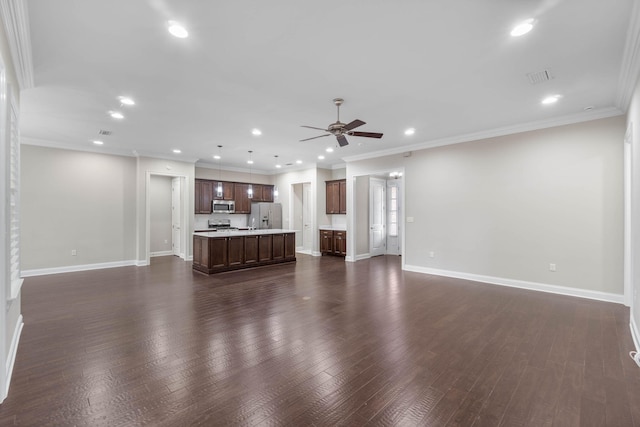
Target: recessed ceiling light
point(217, 157)
point(522, 28)
point(329, 150)
point(278, 166)
point(125, 100)
point(250, 161)
point(321, 157)
point(551, 99)
point(299, 162)
point(177, 30)
point(256, 132)
point(410, 131)
point(177, 151)
point(116, 115)
point(97, 142)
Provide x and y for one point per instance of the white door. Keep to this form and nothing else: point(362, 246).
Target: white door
point(393, 216)
point(307, 205)
point(176, 225)
point(377, 234)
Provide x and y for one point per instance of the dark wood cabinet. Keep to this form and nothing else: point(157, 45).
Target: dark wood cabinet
point(203, 196)
point(216, 254)
point(336, 200)
point(206, 191)
point(326, 241)
point(265, 247)
point(227, 190)
point(290, 245)
point(278, 246)
point(340, 243)
point(243, 203)
point(333, 242)
point(250, 249)
point(235, 250)
point(342, 202)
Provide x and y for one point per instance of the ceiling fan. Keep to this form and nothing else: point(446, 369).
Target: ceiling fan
point(340, 129)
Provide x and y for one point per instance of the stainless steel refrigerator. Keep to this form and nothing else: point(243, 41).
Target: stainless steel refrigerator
point(265, 215)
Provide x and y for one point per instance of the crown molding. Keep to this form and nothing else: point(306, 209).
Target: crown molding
point(587, 116)
point(15, 19)
point(630, 67)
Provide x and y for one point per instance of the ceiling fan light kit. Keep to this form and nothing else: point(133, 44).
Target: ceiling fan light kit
point(339, 129)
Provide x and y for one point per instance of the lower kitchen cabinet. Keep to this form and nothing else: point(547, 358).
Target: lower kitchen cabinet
point(217, 254)
point(333, 242)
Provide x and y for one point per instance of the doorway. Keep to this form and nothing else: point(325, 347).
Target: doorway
point(377, 217)
point(302, 216)
point(165, 216)
point(176, 220)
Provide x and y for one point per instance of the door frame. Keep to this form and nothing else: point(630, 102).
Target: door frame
point(383, 185)
point(352, 209)
point(180, 246)
point(184, 235)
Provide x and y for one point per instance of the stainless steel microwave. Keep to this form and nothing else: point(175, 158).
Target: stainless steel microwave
point(223, 206)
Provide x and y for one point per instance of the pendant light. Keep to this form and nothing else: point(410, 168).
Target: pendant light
point(275, 187)
point(250, 189)
point(219, 190)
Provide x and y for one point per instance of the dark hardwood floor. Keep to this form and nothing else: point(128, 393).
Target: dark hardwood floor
point(319, 342)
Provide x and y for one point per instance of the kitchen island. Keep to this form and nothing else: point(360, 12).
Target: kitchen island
point(218, 251)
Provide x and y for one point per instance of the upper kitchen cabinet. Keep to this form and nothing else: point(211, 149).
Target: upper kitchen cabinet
point(243, 203)
point(227, 190)
point(203, 196)
point(337, 196)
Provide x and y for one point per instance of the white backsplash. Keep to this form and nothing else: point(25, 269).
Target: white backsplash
point(201, 222)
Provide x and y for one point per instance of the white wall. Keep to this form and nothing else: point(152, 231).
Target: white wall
point(161, 227)
point(505, 208)
point(73, 200)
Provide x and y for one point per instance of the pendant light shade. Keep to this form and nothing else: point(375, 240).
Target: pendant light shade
point(250, 189)
point(219, 190)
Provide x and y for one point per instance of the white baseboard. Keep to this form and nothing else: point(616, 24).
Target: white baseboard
point(635, 333)
point(316, 253)
point(363, 256)
point(533, 286)
point(160, 253)
point(11, 356)
point(73, 268)
point(141, 263)
point(189, 258)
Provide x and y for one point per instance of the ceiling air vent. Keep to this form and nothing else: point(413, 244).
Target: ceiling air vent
point(539, 77)
point(104, 132)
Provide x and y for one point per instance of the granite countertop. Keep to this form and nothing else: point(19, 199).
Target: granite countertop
point(333, 227)
point(232, 233)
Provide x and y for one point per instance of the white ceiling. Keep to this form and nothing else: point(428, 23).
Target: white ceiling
point(447, 68)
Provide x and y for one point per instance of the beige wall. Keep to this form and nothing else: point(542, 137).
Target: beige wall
point(507, 207)
point(633, 123)
point(73, 200)
point(10, 311)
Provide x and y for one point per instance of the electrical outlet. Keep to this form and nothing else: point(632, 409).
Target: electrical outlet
point(166, 241)
point(432, 254)
point(552, 267)
point(73, 252)
point(409, 219)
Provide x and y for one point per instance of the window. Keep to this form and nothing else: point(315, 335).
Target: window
point(13, 211)
point(393, 211)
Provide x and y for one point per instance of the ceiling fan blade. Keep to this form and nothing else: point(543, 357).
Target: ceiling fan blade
point(354, 124)
point(366, 134)
point(311, 127)
point(342, 141)
point(307, 139)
